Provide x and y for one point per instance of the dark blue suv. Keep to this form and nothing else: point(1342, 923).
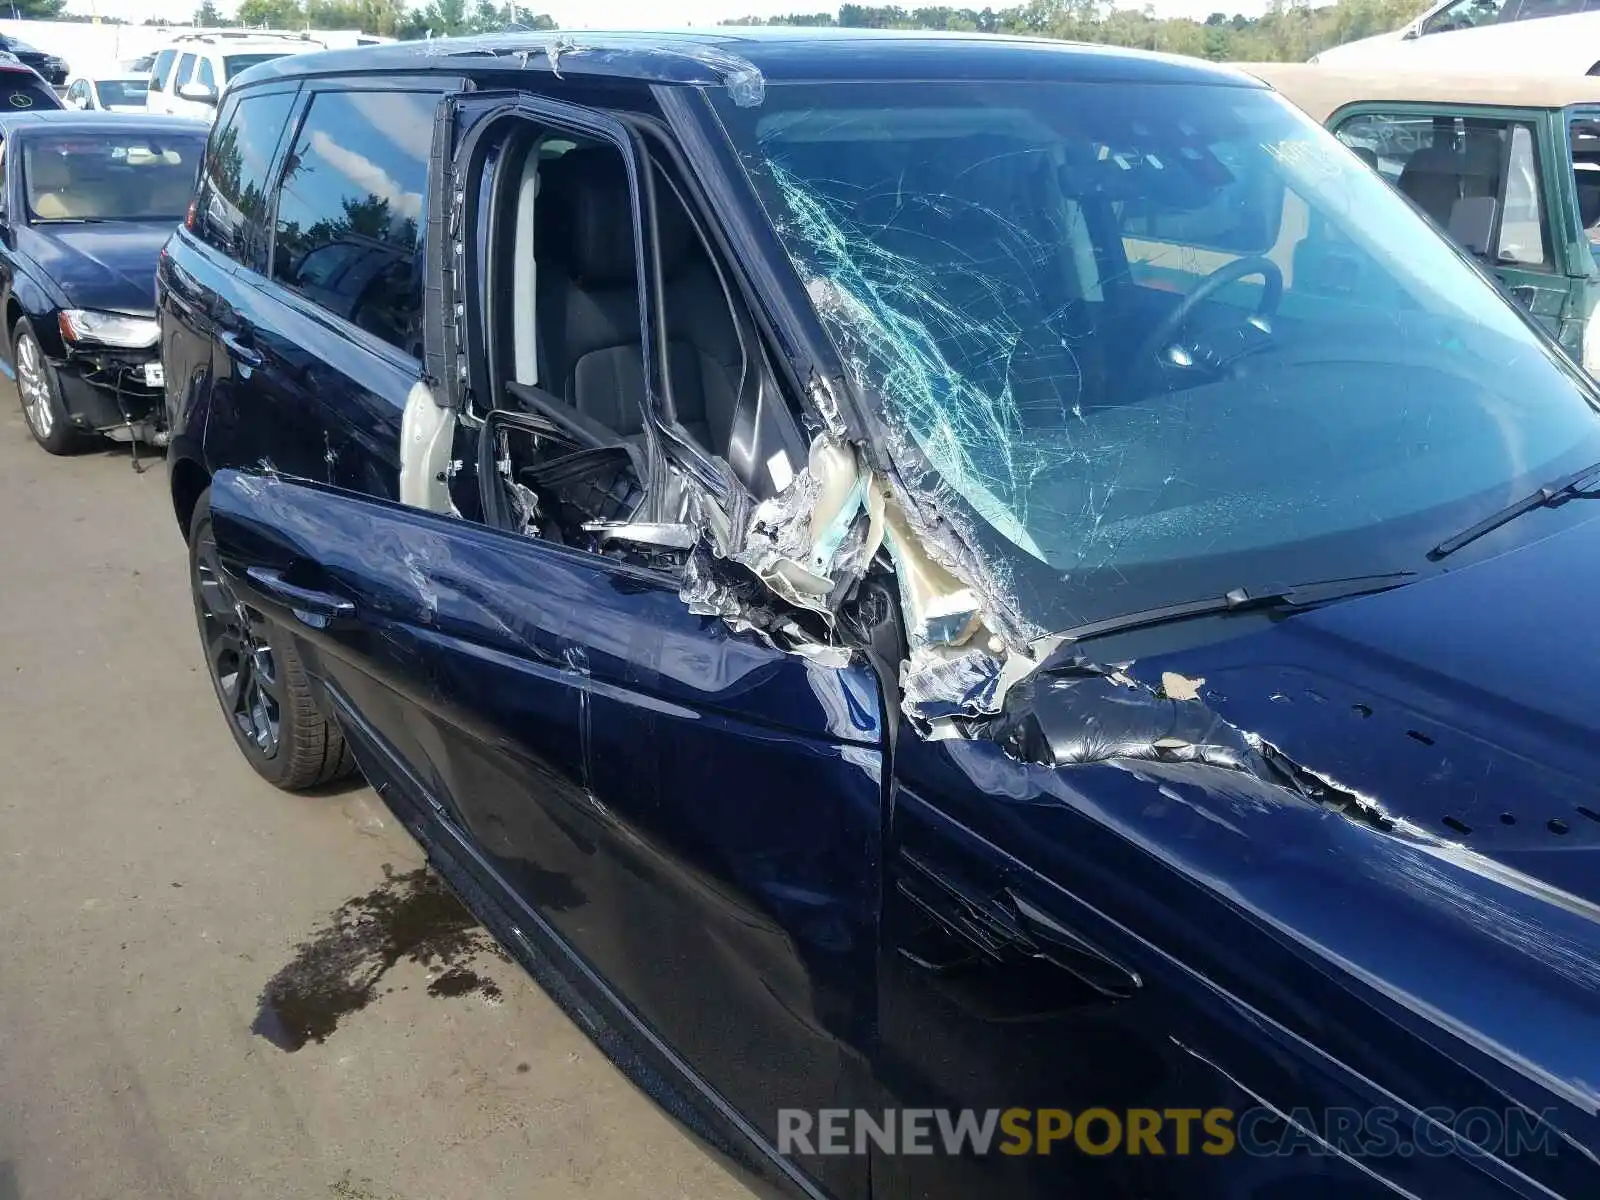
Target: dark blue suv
point(993, 617)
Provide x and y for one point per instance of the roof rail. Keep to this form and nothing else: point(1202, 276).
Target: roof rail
point(249, 35)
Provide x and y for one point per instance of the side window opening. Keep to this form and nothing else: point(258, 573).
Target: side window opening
point(563, 445)
point(204, 74)
point(1467, 14)
point(564, 450)
point(185, 71)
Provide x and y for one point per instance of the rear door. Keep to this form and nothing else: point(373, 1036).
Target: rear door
point(319, 358)
point(210, 409)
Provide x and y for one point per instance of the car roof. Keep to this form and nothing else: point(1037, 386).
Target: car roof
point(1321, 91)
point(77, 121)
point(244, 37)
point(776, 53)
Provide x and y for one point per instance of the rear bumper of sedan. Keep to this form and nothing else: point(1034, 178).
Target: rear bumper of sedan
point(117, 393)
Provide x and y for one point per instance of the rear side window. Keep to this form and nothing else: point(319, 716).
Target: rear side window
point(1532, 10)
point(163, 69)
point(20, 92)
point(232, 203)
point(351, 208)
point(236, 64)
point(205, 75)
point(1477, 177)
point(185, 70)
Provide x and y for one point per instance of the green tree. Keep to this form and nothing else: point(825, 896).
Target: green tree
point(273, 14)
point(208, 14)
point(1289, 30)
point(33, 10)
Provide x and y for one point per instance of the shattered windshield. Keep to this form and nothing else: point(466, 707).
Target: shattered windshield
point(1151, 341)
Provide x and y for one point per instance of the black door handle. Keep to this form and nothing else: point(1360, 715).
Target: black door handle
point(309, 606)
point(1074, 953)
point(239, 352)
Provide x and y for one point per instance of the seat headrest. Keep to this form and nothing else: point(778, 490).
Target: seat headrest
point(48, 172)
point(1367, 155)
point(1433, 181)
point(585, 216)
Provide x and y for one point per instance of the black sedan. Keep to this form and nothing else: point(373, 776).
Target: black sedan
point(51, 68)
point(85, 204)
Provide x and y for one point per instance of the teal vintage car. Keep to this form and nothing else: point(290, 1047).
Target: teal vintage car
point(1508, 166)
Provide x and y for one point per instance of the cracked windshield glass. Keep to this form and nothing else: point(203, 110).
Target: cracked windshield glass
point(1118, 329)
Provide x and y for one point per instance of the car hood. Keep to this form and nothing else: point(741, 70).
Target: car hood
point(1463, 705)
point(110, 266)
point(1398, 794)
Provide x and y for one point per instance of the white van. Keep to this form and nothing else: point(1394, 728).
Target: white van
point(191, 72)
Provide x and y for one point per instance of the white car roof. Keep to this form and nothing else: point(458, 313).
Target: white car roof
point(287, 42)
point(1321, 91)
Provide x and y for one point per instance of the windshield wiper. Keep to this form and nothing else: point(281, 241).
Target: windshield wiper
point(69, 221)
point(1295, 597)
point(1569, 487)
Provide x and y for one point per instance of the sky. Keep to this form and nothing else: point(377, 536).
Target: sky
point(634, 14)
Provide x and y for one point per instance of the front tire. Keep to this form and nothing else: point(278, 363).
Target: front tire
point(40, 393)
point(258, 676)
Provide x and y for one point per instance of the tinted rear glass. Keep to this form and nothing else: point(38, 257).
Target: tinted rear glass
point(350, 210)
point(19, 93)
point(233, 194)
point(123, 93)
point(235, 64)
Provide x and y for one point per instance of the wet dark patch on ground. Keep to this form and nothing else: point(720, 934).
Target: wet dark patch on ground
point(462, 981)
point(411, 916)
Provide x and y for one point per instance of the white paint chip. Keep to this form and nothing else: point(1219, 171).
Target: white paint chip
point(779, 469)
point(1180, 687)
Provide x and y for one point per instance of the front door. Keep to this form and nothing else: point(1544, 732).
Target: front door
point(692, 812)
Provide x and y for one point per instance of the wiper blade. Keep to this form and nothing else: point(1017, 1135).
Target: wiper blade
point(1297, 596)
point(1569, 487)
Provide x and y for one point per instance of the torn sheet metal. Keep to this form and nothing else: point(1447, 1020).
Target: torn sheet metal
point(811, 544)
point(747, 87)
point(816, 535)
point(1086, 713)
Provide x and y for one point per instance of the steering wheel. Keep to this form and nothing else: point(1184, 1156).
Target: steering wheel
point(1239, 268)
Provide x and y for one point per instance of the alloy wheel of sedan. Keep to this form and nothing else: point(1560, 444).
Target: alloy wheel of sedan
point(39, 392)
point(35, 390)
point(238, 655)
